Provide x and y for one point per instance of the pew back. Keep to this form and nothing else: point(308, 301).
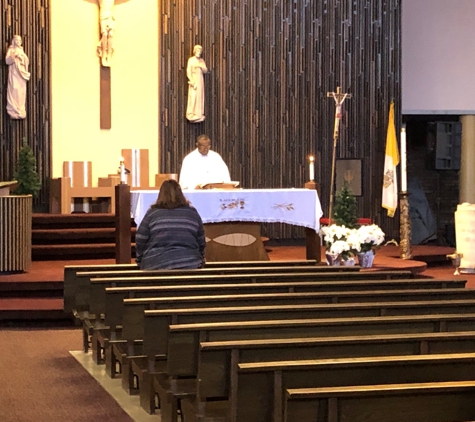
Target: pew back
point(424, 402)
point(261, 386)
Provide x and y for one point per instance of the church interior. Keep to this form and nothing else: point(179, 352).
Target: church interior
point(296, 98)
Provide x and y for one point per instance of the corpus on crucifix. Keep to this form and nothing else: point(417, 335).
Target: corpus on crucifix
point(104, 51)
point(106, 20)
point(339, 98)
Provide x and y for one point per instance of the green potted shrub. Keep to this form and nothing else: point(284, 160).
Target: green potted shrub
point(345, 210)
point(26, 175)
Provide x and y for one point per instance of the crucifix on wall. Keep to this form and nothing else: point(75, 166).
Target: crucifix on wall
point(104, 50)
point(339, 98)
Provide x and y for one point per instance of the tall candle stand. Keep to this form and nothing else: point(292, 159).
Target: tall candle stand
point(405, 226)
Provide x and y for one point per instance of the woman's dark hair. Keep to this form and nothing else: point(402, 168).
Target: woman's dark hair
point(170, 196)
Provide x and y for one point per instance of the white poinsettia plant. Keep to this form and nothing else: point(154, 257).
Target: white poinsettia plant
point(369, 237)
point(341, 240)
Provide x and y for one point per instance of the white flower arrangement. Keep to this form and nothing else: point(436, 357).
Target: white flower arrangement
point(346, 242)
point(370, 236)
point(339, 240)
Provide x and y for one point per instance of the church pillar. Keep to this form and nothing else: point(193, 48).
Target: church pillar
point(467, 169)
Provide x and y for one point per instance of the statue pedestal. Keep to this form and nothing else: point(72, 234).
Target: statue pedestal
point(15, 232)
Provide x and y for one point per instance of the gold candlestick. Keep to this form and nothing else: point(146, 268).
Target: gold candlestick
point(405, 226)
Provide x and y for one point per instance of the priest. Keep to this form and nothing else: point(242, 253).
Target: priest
point(203, 166)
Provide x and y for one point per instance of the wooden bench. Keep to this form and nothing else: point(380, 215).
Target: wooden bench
point(114, 296)
point(134, 308)
point(82, 292)
point(71, 281)
point(424, 402)
point(93, 295)
point(218, 361)
point(164, 318)
point(133, 313)
point(214, 275)
point(182, 353)
point(259, 391)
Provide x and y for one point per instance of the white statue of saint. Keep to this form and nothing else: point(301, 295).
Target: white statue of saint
point(195, 69)
point(106, 19)
point(18, 75)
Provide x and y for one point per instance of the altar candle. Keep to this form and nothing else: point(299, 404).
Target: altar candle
point(311, 160)
point(123, 177)
point(403, 160)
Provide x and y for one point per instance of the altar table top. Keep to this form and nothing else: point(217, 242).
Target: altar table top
point(300, 207)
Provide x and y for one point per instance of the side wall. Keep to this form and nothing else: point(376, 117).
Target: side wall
point(76, 135)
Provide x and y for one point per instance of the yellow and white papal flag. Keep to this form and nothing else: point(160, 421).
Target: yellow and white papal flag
point(391, 160)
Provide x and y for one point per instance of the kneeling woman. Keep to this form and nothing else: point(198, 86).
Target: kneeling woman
point(171, 235)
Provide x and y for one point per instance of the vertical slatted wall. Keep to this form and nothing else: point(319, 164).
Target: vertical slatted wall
point(272, 63)
point(15, 233)
point(31, 20)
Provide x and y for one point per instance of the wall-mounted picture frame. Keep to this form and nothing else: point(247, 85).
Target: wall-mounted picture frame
point(349, 171)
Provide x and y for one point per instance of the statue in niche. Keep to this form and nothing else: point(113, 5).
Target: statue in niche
point(18, 75)
point(195, 69)
point(106, 20)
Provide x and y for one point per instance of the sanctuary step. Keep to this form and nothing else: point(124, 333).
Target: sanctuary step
point(75, 236)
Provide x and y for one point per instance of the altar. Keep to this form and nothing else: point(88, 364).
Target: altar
point(232, 217)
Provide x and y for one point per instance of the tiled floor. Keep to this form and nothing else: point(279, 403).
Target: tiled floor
point(131, 404)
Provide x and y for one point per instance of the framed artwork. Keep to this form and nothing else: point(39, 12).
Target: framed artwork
point(349, 171)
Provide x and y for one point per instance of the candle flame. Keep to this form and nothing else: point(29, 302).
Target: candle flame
point(311, 158)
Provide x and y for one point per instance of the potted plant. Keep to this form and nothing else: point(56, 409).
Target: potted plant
point(343, 240)
point(26, 174)
point(17, 217)
point(369, 238)
point(341, 244)
point(345, 210)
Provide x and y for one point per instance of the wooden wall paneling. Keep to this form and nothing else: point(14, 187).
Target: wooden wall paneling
point(31, 20)
point(272, 63)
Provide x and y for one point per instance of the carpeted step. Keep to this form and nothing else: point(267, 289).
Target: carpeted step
point(75, 236)
point(78, 235)
point(72, 220)
point(32, 308)
point(75, 251)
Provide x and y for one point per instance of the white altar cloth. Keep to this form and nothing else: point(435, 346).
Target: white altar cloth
point(300, 207)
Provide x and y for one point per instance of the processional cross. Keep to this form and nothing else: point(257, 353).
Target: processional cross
point(339, 98)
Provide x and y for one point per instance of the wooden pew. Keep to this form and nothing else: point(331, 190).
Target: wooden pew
point(260, 386)
point(82, 294)
point(96, 291)
point(183, 341)
point(94, 295)
point(114, 296)
point(423, 402)
point(218, 361)
point(91, 294)
point(164, 318)
point(134, 308)
point(71, 281)
point(133, 313)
